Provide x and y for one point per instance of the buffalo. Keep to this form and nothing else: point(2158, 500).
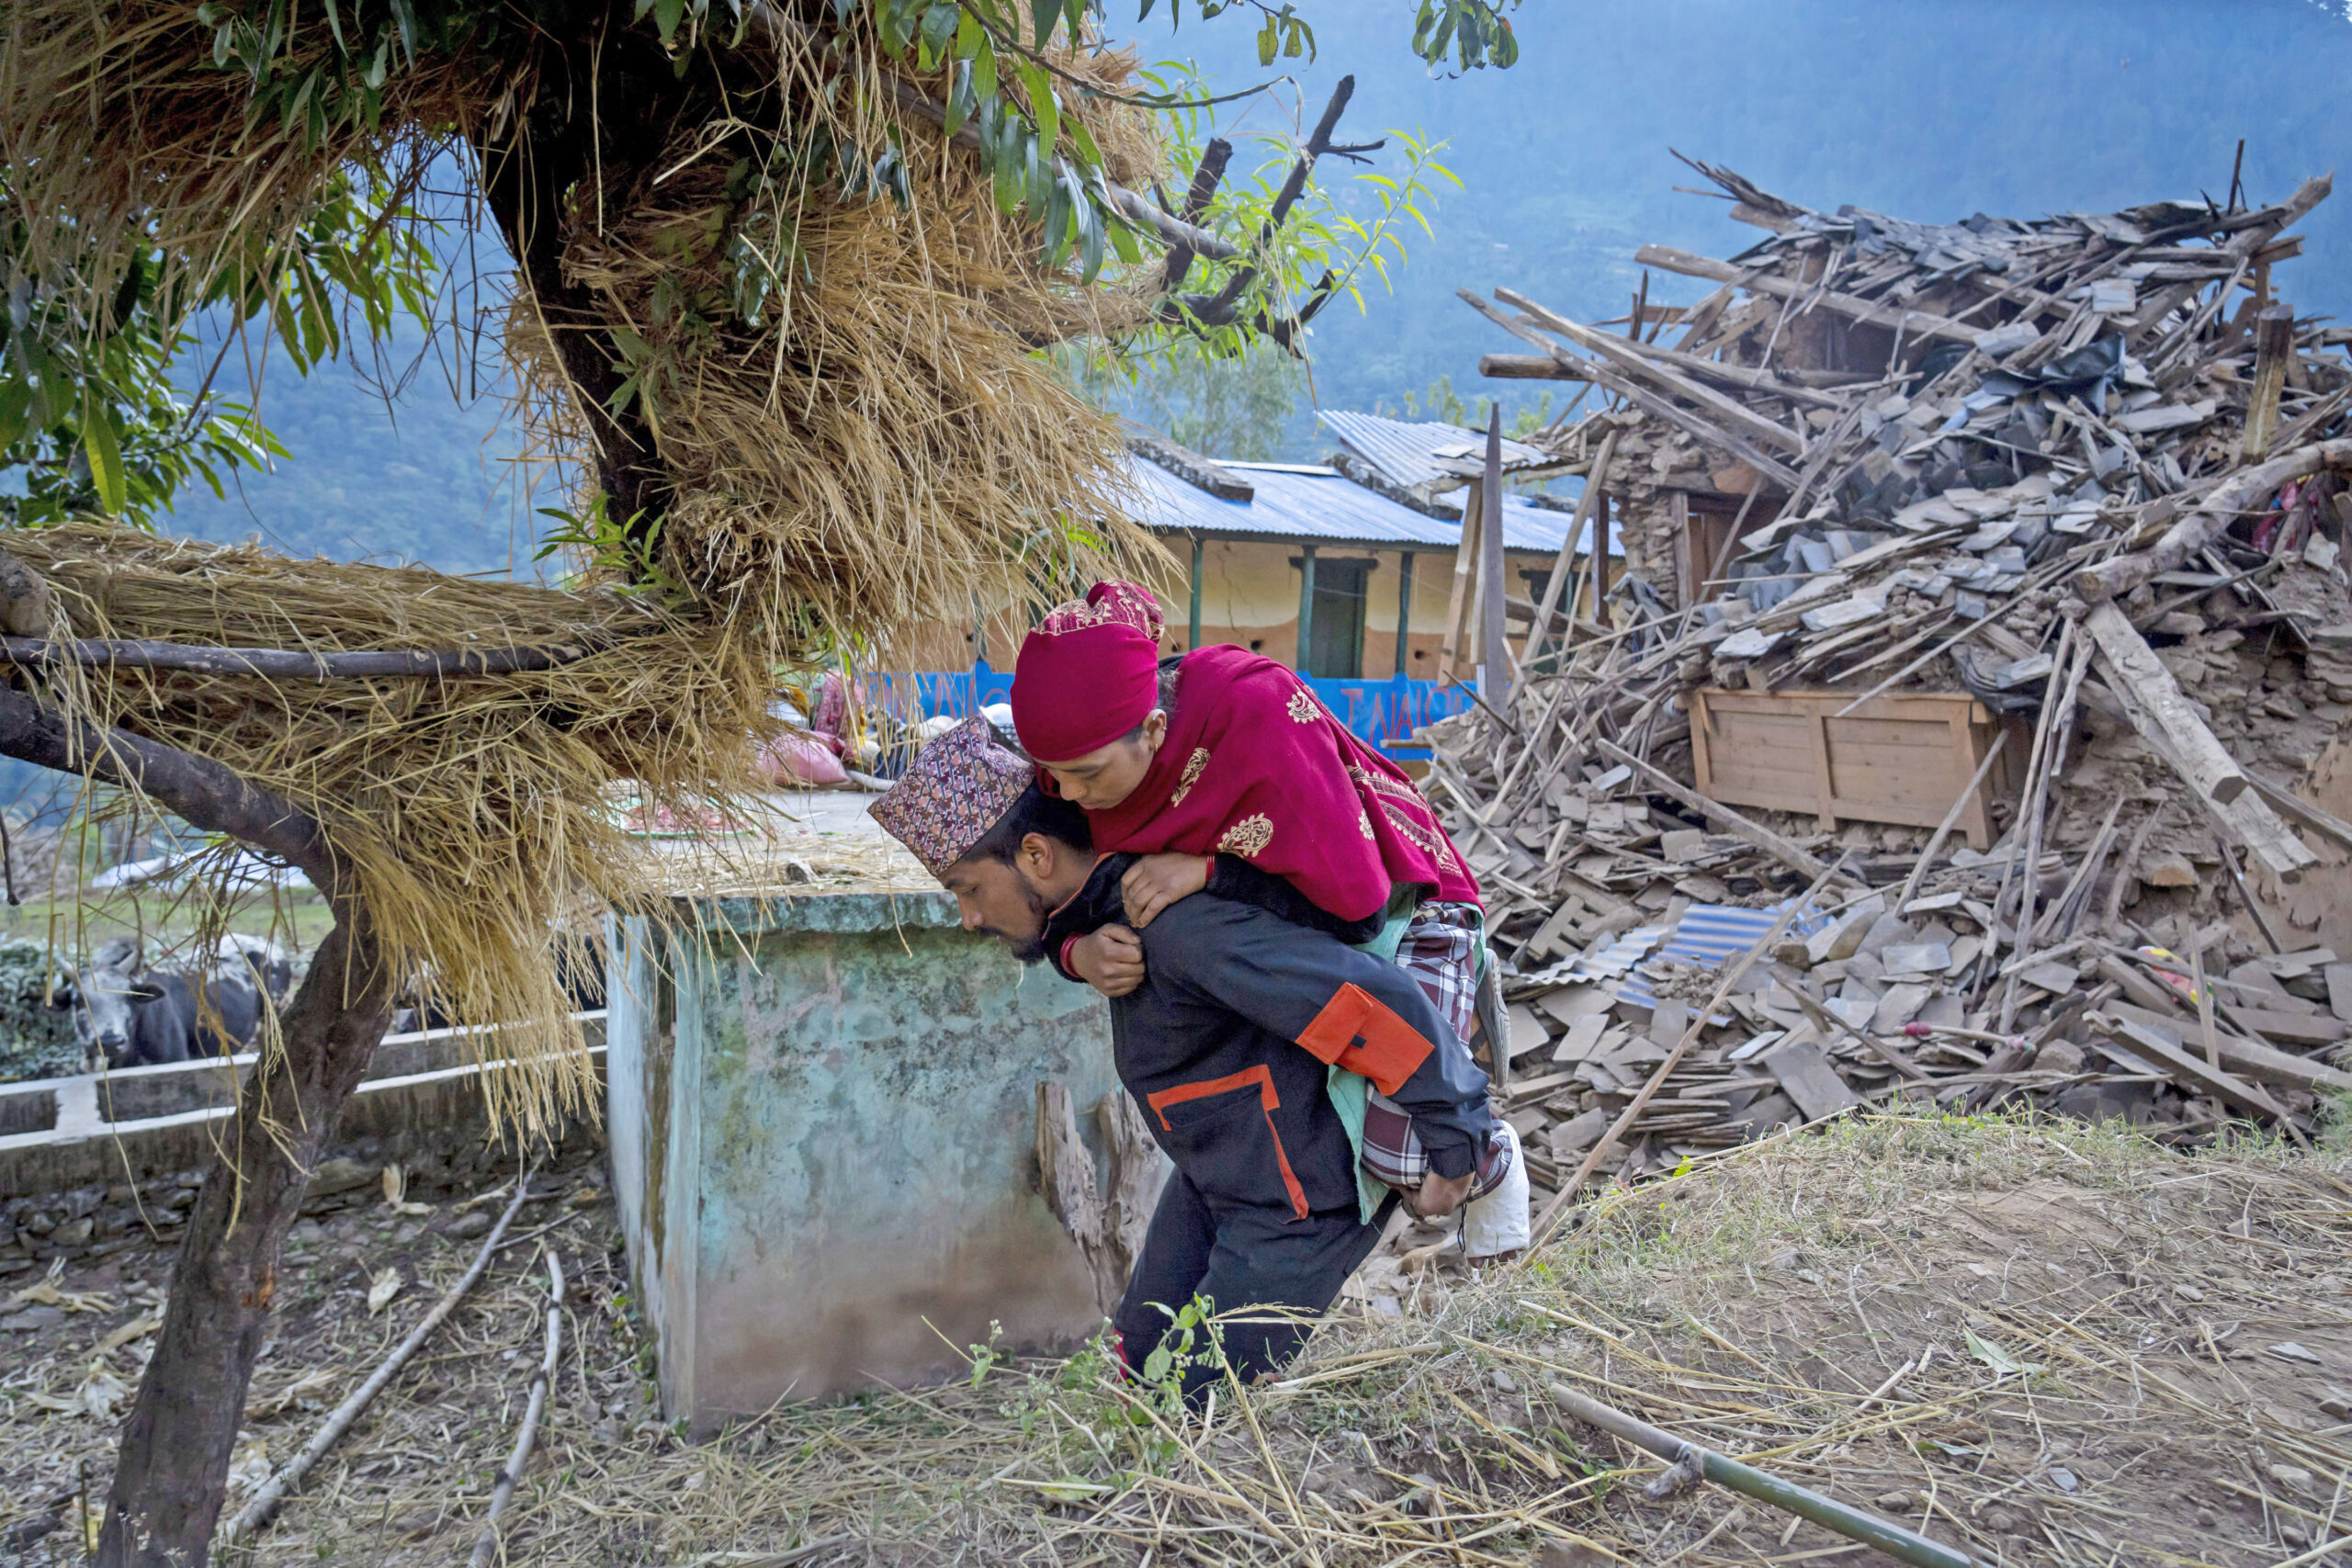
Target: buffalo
point(128, 1013)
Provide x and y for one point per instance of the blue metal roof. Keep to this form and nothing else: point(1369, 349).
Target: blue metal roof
point(1299, 505)
point(1410, 453)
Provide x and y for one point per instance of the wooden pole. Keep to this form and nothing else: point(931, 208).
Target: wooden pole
point(2274, 346)
point(1600, 559)
point(1854, 1524)
point(1306, 607)
point(1192, 637)
point(1403, 612)
point(1566, 566)
point(1493, 648)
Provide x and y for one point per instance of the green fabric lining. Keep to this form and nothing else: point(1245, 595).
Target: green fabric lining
point(1348, 1090)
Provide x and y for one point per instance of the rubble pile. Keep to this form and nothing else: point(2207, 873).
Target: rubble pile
point(2080, 485)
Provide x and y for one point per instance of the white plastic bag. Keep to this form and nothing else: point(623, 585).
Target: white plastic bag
point(1497, 1223)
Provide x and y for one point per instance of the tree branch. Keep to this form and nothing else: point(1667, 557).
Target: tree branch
point(206, 794)
point(287, 664)
point(1206, 179)
point(1221, 309)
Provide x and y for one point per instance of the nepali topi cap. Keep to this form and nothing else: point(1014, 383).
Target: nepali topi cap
point(952, 793)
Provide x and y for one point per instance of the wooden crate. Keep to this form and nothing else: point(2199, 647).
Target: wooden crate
point(1897, 759)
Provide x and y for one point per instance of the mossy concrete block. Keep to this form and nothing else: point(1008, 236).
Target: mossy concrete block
point(822, 1132)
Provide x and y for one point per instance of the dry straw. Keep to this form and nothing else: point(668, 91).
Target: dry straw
point(881, 448)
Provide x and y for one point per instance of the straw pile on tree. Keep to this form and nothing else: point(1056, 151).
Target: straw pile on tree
point(824, 417)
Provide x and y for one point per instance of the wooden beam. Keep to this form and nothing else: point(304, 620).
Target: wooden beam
point(2274, 346)
point(1457, 603)
point(2160, 710)
point(1403, 612)
point(1626, 357)
point(1911, 323)
point(1606, 375)
point(1494, 649)
point(1566, 566)
point(2222, 506)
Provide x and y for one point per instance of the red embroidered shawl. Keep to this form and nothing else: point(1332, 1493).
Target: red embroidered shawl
point(1254, 766)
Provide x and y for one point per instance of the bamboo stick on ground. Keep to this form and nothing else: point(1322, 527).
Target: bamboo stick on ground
point(258, 1512)
point(486, 1543)
point(1854, 1524)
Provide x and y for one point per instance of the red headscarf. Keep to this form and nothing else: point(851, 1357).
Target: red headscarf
point(1254, 766)
point(1089, 673)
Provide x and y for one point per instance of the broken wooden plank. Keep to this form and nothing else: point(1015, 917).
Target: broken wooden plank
point(2160, 710)
point(2223, 505)
point(2203, 1077)
point(2248, 1058)
point(1616, 350)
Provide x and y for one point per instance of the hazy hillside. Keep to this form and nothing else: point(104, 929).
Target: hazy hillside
point(1926, 108)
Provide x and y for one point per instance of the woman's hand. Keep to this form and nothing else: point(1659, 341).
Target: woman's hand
point(1109, 959)
point(1156, 881)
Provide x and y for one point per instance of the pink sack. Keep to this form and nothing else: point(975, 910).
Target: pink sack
point(794, 760)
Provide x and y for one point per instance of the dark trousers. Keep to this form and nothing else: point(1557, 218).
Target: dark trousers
point(1243, 1258)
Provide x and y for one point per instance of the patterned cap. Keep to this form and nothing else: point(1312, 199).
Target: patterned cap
point(952, 793)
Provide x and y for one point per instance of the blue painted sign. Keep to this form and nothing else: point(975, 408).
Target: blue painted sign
point(1383, 713)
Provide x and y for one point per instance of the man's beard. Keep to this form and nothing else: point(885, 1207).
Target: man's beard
point(1031, 950)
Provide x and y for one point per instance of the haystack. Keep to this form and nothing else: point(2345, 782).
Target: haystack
point(829, 362)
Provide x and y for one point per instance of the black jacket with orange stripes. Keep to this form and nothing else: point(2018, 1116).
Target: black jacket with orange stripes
point(1224, 1047)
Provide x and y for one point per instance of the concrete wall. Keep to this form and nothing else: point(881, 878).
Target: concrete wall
point(821, 1130)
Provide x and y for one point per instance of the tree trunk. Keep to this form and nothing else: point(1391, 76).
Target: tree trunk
point(173, 1468)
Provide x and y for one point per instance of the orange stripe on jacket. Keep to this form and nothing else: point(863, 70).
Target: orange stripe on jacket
point(1359, 1031)
point(1268, 1101)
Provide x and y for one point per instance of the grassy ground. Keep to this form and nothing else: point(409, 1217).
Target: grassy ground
point(2048, 1343)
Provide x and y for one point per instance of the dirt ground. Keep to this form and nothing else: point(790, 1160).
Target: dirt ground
point(2046, 1343)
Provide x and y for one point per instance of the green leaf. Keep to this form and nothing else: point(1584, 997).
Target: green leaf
point(960, 96)
point(1084, 141)
point(1044, 110)
point(1123, 243)
point(667, 15)
point(984, 85)
point(104, 448)
point(1043, 14)
point(1269, 40)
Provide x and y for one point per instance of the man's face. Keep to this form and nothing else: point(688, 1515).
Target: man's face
point(995, 900)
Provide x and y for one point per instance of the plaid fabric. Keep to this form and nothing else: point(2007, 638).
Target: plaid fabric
point(1441, 950)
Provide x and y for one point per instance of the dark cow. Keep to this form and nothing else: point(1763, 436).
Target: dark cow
point(130, 1014)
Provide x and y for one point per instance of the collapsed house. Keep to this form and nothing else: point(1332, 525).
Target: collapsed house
point(1988, 577)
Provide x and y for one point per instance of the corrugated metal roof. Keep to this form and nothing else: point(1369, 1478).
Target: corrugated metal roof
point(1410, 453)
point(1298, 504)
